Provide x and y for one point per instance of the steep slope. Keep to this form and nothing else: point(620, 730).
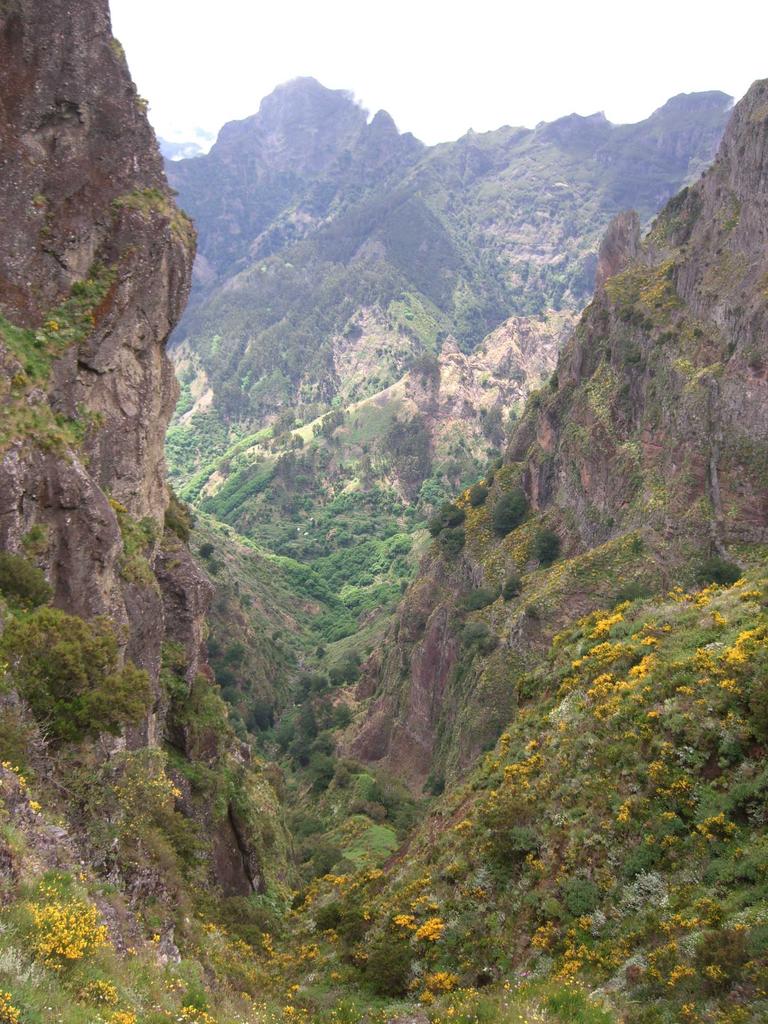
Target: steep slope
point(148, 813)
point(595, 617)
point(647, 453)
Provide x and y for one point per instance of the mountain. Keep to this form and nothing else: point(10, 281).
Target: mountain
point(320, 230)
point(369, 315)
point(542, 796)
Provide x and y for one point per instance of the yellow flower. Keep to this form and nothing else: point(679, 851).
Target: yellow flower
point(102, 993)
point(405, 921)
point(441, 981)
point(431, 930)
point(8, 1012)
point(65, 931)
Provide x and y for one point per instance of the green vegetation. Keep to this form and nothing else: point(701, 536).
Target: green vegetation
point(68, 672)
point(546, 546)
point(21, 582)
point(22, 414)
point(509, 511)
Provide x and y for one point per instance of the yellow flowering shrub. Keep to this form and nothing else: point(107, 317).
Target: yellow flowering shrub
point(122, 1017)
point(441, 981)
point(191, 1015)
point(103, 993)
point(8, 1012)
point(64, 929)
point(431, 930)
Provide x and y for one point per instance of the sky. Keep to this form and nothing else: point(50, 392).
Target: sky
point(439, 68)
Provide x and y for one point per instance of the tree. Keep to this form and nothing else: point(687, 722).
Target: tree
point(477, 495)
point(509, 511)
point(546, 546)
point(448, 515)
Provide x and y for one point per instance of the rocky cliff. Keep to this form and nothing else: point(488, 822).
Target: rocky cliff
point(647, 453)
point(104, 688)
point(95, 264)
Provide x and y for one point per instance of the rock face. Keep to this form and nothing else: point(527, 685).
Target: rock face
point(88, 217)
point(649, 450)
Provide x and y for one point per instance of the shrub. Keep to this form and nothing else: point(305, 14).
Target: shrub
point(718, 570)
point(64, 929)
point(477, 495)
point(546, 546)
point(67, 670)
point(580, 896)
point(512, 586)
point(23, 583)
point(452, 540)
point(388, 966)
point(448, 515)
point(179, 518)
point(509, 511)
point(477, 636)
point(478, 599)
point(206, 550)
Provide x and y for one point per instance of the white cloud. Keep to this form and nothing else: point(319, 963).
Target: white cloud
point(438, 67)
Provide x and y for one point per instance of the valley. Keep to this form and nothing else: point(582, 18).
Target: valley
point(383, 538)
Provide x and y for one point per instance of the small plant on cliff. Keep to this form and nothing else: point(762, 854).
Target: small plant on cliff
point(179, 518)
point(512, 586)
point(478, 599)
point(509, 511)
point(21, 582)
point(448, 516)
point(452, 540)
point(68, 670)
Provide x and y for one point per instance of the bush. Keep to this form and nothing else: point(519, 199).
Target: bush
point(206, 550)
point(632, 591)
point(512, 586)
point(580, 896)
point(179, 518)
point(388, 966)
point(477, 636)
point(451, 541)
point(546, 546)
point(477, 495)
point(448, 515)
point(718, 570)
point(478, 599)
point(23, 583)
point(67, 669)
point(509, 511)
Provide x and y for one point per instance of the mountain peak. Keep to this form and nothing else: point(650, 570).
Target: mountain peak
point(306, 92)
point(686, 102)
